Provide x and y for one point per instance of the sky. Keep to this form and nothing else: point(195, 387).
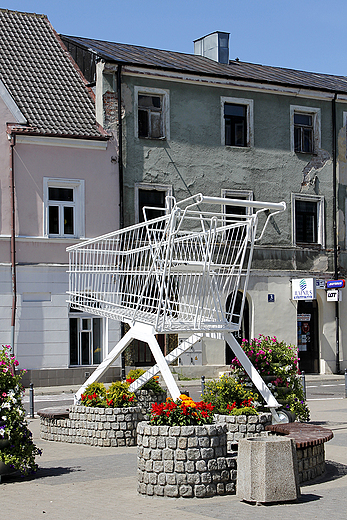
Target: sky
point(306, 35)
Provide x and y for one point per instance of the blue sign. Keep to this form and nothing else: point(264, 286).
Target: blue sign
point(271, 298)
point(335, 284)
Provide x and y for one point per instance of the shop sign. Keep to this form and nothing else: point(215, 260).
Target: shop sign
point(304, 289)
point(335, 284)
point(304, 317)
point(334, 295)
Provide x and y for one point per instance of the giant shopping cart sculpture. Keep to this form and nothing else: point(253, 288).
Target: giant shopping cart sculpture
point(172, 274)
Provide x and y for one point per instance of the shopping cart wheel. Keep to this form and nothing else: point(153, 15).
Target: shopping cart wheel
point(285, 417)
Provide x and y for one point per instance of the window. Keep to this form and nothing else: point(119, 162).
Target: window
point(305, 129)
point(151, 112)
point(303, 133)
point(64, 207)
point(237, 122)
point(233, 213)
point(308, 220)
point(152, 196)
point(85, 340)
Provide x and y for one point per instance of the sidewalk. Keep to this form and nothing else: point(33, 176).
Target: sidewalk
point(88, 483)
point(72, 389)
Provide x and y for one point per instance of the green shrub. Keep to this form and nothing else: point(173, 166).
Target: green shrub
point(118, 395)
point(228, 392)
point(94, 395)
point(247, 410)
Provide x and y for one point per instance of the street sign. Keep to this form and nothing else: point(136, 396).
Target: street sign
point(335, 284)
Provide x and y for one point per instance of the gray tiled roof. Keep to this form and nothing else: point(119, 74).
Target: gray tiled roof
point(155, 58)
point(42, 78)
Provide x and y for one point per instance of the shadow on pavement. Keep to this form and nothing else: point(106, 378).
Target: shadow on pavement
point(40, 474)
point(333, 471)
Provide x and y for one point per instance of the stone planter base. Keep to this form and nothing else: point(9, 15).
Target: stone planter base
point(184, 461)
point(145, 399)
point(243, 426)
point(94, 426)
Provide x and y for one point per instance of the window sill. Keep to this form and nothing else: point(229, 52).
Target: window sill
point(153, 138)
point(308, 245)
point(235, 147)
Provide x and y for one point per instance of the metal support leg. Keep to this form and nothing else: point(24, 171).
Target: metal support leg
point(254, 375)
point(141, 332)
point(185, 345)
point(101, 369)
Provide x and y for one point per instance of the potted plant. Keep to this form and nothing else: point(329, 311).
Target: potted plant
point(17, 449)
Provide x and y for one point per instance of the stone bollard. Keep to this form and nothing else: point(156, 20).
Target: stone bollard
point(267, 470)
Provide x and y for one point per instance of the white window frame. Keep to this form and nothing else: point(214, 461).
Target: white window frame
point(249, 104)
point(150, 187)
point(236, 194)
point(319, 199)
point(78, 185)
point(316, 114)
point(165, 96)
point(104, 335)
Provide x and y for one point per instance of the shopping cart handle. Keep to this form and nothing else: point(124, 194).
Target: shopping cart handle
point(277, 206)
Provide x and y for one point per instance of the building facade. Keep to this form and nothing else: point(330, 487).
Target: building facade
point(194, 123)
point(59, 185)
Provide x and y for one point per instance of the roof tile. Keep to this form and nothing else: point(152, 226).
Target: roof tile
point(42, 79)
point(236, 70)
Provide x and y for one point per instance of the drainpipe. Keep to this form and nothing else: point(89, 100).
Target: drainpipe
point(120, 145)
point(336, 267)
point(13, 242)
point(120, 173)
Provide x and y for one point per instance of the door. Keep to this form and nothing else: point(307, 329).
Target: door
point(307, 334)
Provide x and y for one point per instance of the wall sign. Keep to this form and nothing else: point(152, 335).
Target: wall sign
point(335, 284)
point(304, 289)
point(271, 298)
point(334, 295)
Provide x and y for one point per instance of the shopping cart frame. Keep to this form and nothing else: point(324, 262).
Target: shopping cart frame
point(172, 274)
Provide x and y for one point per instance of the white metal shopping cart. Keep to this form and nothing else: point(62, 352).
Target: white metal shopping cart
point(172, 274)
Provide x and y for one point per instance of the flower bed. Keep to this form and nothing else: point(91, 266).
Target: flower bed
point(277, 363)
point(184, 461)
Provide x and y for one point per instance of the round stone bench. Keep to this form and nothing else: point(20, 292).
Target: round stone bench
point(309, 440)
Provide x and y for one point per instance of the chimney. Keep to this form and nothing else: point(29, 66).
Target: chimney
point(214, 46)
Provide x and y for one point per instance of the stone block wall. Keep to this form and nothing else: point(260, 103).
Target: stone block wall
point(93, 426)
point(243, 426)
point(145, 399)
point(184, 461)
point(311, 462)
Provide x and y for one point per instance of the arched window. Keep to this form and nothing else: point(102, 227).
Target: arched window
point(243, 333)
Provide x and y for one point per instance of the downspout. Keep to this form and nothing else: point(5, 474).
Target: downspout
point(336, 267)
point(120, 173)
point(13, 242)
point(120, 145)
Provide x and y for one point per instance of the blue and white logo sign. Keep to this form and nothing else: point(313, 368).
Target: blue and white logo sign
point(304, 289)
point(302, 284)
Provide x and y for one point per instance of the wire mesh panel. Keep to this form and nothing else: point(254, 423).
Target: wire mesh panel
point(174, 272)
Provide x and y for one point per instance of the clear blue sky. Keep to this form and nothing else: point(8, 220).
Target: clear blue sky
point(300, 34)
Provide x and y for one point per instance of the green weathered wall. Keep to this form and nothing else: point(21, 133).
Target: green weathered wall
point(194, 160)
